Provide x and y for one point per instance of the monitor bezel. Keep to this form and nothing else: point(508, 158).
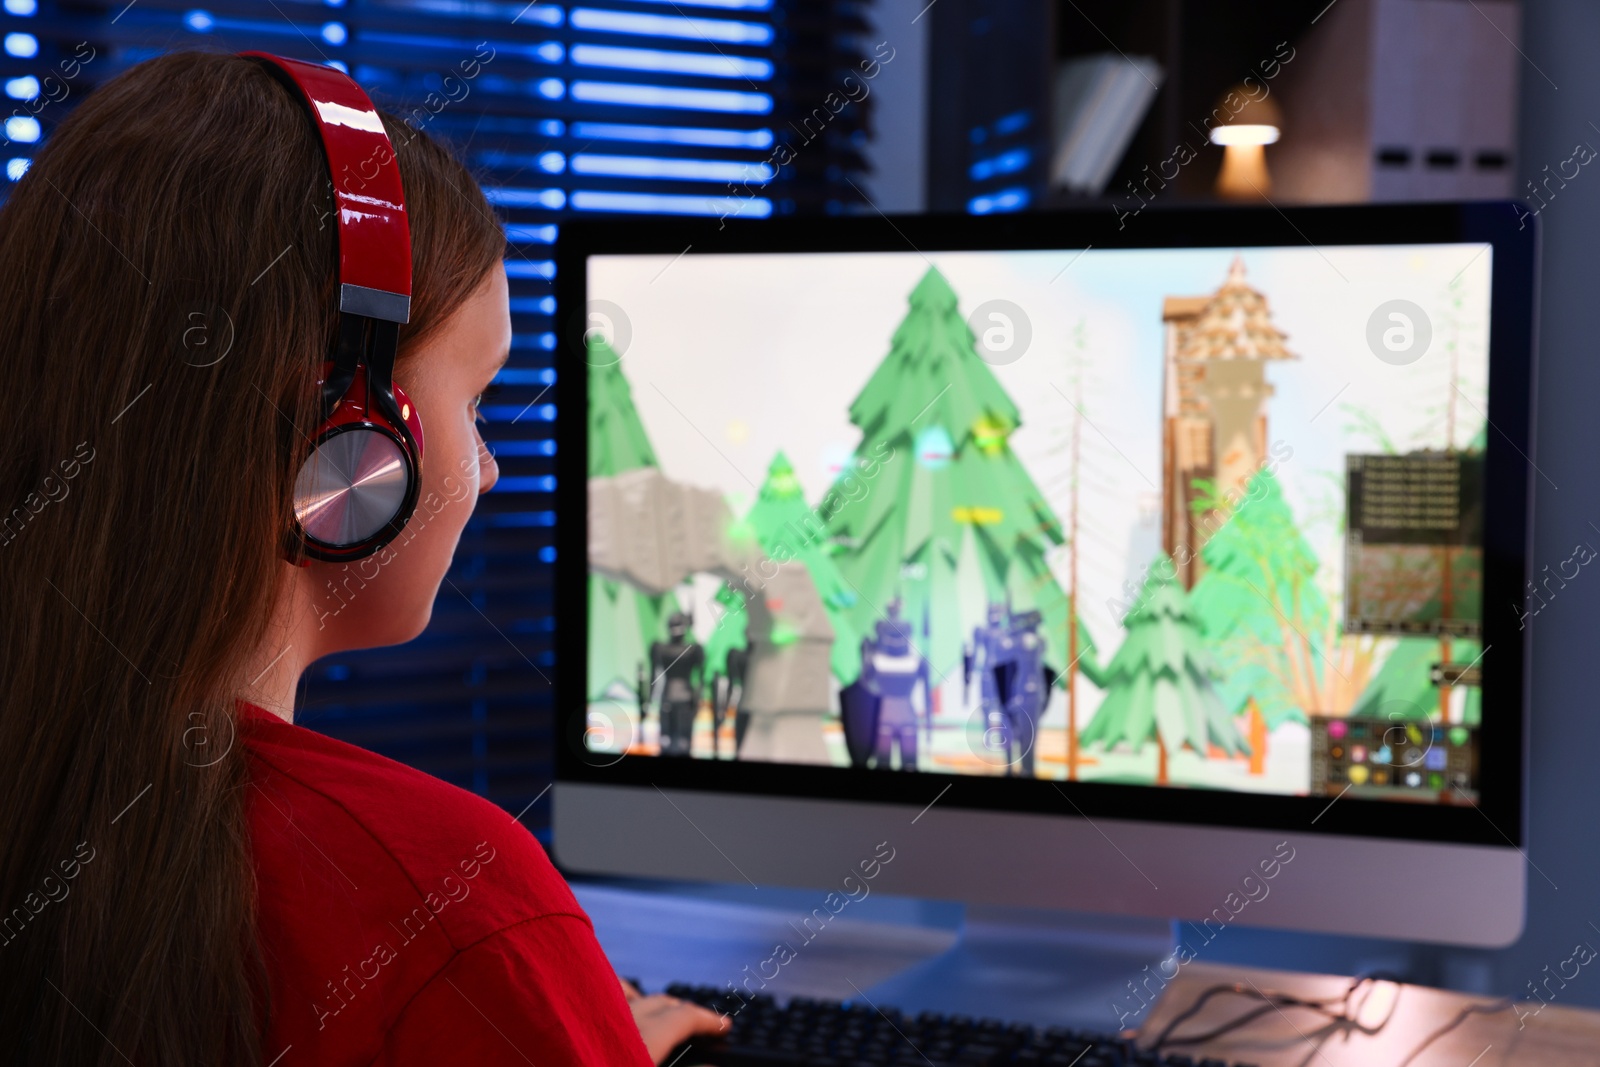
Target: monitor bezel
point(1499, 817)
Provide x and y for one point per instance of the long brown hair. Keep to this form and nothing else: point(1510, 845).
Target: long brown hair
point(166, 297)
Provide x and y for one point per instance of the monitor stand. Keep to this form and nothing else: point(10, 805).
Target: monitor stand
point(1093, 972)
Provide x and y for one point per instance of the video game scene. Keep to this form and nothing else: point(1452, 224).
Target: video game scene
point(1207, 518)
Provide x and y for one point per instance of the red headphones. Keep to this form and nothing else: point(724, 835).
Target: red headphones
point(360, 483)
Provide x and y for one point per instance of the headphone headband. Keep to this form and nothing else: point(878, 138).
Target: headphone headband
point(374, 236)
point(359, 485)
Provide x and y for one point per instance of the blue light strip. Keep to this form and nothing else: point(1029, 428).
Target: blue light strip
point(525, 376)
point(549, 162)
point(204, 22)
point(548, 88)
point(542, 52)
point(634, 95)
point(511, 124)
point(720, 31)
point(516, 519)
point(544, 305)
point(538, 14)
point(518, 412)
point(538, 483)
point(754, 207)
point(21, 45)
point(526, 342)
point(1012, 123)
point(687, 135)
point(541, 447)
point(1008, 162)
point(1002, 201)
point(507, 196)
point(707, 170)
point(658, 61)
point(544, 269)
point(732, 5)
point(530, 234)
point(23, 129)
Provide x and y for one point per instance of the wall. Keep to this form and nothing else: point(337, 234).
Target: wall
point(1558, 44)
point(1559, 109)
point(898, 151)
point(1422, 80)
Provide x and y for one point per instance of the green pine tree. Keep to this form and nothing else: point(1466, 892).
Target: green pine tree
point(1160, 684)
point(622, 621)
point(786, 529)
point(617, 441)
point(1403, 688)
point(729, 633)
point(1259, 604)
point(944, 488)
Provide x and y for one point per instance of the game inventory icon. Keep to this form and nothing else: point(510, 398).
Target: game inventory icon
point(1393, 759)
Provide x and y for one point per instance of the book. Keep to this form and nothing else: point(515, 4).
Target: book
point(1100, 100)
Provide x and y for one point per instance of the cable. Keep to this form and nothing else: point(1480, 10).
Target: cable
point(1274, 1002)
point(1471, 1009)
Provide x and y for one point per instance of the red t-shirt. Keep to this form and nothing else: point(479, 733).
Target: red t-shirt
point(405, 921)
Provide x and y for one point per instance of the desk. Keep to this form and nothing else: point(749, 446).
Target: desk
point(1557, 1036)
point(661, 937)
point(1040, 973)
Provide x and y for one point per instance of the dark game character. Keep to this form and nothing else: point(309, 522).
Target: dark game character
point(678, 665)
point(727, 694)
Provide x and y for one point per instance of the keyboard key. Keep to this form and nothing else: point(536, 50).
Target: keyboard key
point(807, 1032)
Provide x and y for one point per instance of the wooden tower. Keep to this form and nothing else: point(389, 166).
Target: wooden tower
point(1214, 393)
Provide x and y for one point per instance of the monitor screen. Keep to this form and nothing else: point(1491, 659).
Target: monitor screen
point(1188, 518)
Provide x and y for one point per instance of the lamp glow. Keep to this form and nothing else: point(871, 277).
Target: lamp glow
point(1248, 124)
point(1244, 133)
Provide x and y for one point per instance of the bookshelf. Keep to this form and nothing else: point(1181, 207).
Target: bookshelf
point(1447, 92)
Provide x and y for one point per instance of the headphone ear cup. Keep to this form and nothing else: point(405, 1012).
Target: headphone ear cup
point(355, 491)
point(359, 485)
point(413, 419)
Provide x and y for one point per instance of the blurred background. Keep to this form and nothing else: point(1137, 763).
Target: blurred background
point(676, 106)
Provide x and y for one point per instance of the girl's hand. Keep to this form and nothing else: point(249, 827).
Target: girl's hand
point(667, 1022)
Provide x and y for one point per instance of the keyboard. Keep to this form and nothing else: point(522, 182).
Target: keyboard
point(827, 1033)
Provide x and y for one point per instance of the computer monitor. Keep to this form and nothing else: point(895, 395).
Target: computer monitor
point(1167, 565)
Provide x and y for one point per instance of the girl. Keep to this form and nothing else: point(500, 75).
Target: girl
point(187, 878)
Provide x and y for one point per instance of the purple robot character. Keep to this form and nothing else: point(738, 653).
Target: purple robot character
point(979, 659)
point(891, 670)
point(1024, 682)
